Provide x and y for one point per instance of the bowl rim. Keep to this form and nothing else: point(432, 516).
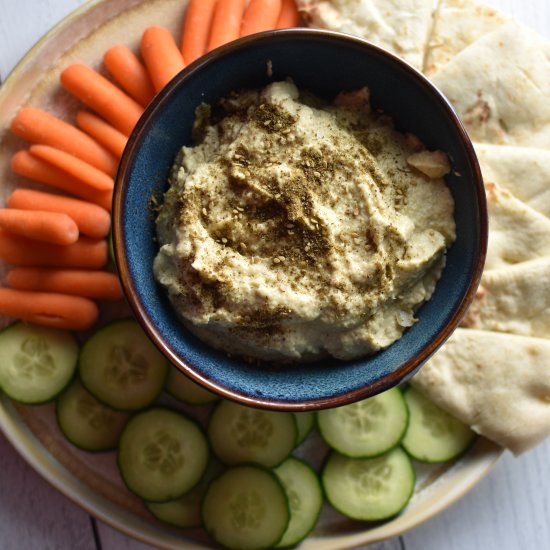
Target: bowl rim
point(410, 366)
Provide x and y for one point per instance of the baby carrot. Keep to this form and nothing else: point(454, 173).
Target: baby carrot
point(52, 310)
point(289, 16)
point(130, 73)
point(40, 127)
point(29, 166)
point(161, 55)
point(226, 22)
point(75, 167)
point(196, 26)
point(85, 253)
point(100, 285)
point(102, 96)
point(102, 132)
point(50, 227)
point(260, 15)
point(91, 220)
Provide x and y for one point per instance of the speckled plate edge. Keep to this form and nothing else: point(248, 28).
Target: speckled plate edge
point(430, 500)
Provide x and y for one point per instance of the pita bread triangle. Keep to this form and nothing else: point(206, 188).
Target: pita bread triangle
point(524, 171)
point(401, 26)
point(499, 384)
point(515, 299)
point(457, 24)
point(517, 233)
point(500, 86)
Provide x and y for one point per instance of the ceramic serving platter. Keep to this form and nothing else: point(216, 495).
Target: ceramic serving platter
point(92, 480)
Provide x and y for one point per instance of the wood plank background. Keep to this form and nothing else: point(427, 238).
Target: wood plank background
point(509, 510)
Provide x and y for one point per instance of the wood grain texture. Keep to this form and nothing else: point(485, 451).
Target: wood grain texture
point(509, 510)
point(33, 515)
point(111, 539)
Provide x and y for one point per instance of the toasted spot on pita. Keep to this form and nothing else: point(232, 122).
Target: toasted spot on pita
point(499, 86)
point(523, 171)
point(457, 24)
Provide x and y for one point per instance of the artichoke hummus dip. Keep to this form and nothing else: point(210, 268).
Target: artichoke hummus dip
point(295, 229)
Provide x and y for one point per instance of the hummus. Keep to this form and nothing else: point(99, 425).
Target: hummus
point(295, 229)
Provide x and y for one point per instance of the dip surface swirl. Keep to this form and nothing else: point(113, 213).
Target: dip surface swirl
point(295, 229)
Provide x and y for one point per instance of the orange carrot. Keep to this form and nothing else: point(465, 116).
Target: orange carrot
point(92, 220)
point(101, 285)
point(40, 127)
point(226, 22)
point(29, 166)
point(130, 73)
point(196, 27)
point(289, 16)
point(161, 55)
point(73, 166)
point(85, 253)
point(260, 15)
point(102, 96)
point(102, 132)
point(52, 310)
point(49, 227)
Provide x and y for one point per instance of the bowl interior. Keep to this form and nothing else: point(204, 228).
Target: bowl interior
point(325, 64)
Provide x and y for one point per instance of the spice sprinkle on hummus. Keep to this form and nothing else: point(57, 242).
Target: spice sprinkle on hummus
point(295, 229)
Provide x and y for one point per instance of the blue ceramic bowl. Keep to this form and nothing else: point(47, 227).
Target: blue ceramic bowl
point(324, 63)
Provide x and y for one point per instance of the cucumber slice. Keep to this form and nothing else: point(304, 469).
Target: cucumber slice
point(369, 489)
point(305, 497)
point(121, 367)
point(185, 511)
point(433, 434)
point(240, 434)
point(184, 389)
point(246, 508)
point(304, 423)
point(366, 428)
point(36, 363)
point(162, 454)
point(86, 422)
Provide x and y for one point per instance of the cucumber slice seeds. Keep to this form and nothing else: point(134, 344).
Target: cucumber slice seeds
point(366, 428)
point(433, 434)
point(121, 367)
point(162, 454)
point(86, 422)
point(246, 508)
point(305, 497)
point(369, 489)
point(36, 363)
point(240, 434)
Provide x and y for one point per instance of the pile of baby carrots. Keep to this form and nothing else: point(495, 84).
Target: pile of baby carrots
point(57, 243)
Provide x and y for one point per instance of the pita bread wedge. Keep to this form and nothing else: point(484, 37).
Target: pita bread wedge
point(401, 26)
point(500, 87)
point(515, 299)
point(524, 171)
point(457, 24)
point(517, 233)
point(499, 384)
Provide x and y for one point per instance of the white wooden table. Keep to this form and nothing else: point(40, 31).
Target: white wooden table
point(509, 510)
